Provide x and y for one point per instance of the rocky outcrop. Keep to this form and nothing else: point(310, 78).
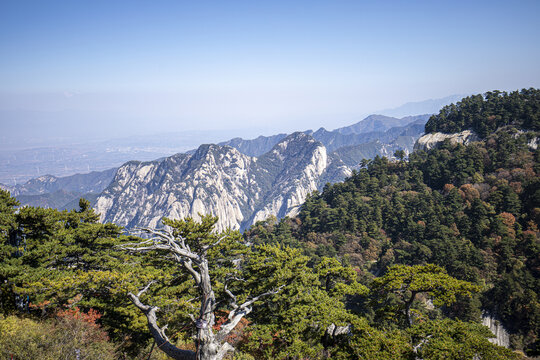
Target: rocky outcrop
point(533, 143)
point(432, 140)
point(502, 338)
point(222, 181)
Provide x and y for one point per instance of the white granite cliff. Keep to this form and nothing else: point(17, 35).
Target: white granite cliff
point(220, 180)
point(502, 338)
point(432, 140)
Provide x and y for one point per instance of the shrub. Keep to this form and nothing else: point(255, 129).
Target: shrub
point(69, 334)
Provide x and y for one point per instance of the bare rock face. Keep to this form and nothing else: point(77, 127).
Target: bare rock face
point(533, 143)
point(430, 141)
point(220, 180)
point(502, 338)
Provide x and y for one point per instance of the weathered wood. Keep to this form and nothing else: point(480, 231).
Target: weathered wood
point(210, 345)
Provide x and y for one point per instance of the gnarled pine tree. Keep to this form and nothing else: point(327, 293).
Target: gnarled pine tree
point(194, 246)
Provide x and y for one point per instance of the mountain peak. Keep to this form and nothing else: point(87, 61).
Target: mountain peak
point(295, 143)
point(206, 150)
point(370, 124)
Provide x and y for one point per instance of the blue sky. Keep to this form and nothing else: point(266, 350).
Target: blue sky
point(139, 66)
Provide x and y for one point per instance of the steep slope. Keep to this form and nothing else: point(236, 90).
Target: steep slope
point(221, 181)
point(300, 165)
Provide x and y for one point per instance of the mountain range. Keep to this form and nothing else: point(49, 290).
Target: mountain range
point(241, 181)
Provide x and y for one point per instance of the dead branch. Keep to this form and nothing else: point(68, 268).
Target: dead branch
point(240, 311)
point(158, 333)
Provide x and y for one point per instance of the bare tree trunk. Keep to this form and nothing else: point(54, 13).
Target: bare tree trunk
point(407, 310)
point(162, 341)
point(210, 345)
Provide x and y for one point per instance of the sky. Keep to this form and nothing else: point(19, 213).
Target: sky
point(104, 68)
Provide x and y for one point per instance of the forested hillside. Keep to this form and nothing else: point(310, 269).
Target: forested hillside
point(473, 210)
point(71, 287)
point(484, 114)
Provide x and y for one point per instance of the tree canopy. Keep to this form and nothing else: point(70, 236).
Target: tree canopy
point(486, 113)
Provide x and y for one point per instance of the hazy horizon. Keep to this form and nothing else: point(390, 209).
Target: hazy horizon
point(100, 70)
point(34, 136)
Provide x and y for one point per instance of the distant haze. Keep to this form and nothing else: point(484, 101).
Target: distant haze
point(28, 129)
point(45, 149)
point(431, 106)
point(71, 71)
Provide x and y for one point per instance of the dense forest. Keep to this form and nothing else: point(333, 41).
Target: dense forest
point(397, 262)
point(484, 114)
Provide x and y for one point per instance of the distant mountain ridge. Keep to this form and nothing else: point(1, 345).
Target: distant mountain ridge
point(61, 192)
point(37, 151)
point(372, 128)
point(254, 147)
point(93, 182)
point(378, 123)
point(346, 146)
point(241, 189)
point(429, 106)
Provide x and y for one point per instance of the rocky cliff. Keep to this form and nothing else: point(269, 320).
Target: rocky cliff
point(221, 181)
point(502, 338)
point(432, 140)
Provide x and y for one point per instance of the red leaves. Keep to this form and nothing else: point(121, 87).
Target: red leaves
point(91, 317)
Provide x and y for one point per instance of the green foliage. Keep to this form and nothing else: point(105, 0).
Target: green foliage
point(54, 257)
point(366, 342)
point(8, 246)
point(456, 340)
point(69, 258)
point(406, 282)
point(293, 322)
point(485, 114)
point(433, 229)
point(199, 234)
point(7, 214)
